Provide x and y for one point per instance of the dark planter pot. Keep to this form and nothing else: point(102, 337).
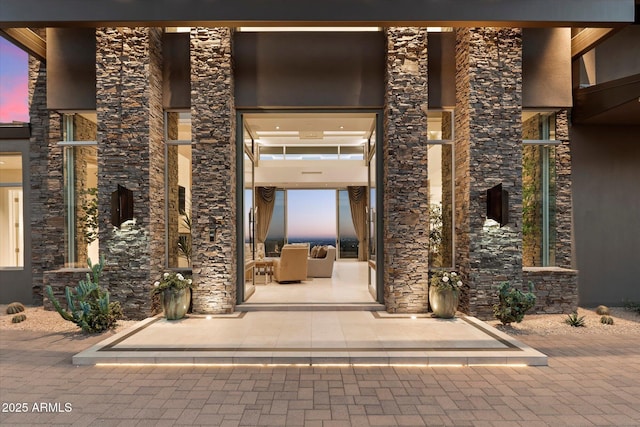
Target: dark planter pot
point(176, 303)
point(444, 302)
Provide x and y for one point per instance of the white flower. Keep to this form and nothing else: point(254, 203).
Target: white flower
point(165, 275)
point(453, 273)
point(459, 283)
point(445, 279)
point(156, 284)
point(180, 276)
point(189, 281)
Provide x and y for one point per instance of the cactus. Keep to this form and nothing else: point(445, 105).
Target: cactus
point(602, 310)
point(88, 305)
point(15, 307)
point(575, 320)
point(19, 318)
point(606, 320)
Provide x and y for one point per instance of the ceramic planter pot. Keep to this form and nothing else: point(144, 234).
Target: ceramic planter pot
point(176, 303)
point(444, 302)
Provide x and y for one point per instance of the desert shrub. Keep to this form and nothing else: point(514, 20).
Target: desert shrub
point(602, 310)
point(575, 320)
point(513, 303)
point(632, 306)
point(606, 320)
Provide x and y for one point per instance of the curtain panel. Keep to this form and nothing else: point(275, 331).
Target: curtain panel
point(358, 203)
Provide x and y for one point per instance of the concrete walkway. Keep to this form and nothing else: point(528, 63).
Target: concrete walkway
point(310, 337)
point(590, 381)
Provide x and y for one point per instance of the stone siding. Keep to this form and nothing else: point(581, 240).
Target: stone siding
point(59, 280)
point(406, 204)
point(564, 202)
point(131, 153)
point(488, 150)
point(556, 289)
point(45, 163)
point(214, 171)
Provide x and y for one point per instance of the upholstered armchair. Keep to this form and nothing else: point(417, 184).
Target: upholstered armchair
point(322, 266)
point(292, 264)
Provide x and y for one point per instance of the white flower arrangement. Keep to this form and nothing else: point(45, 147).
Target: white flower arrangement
point(171, 280)
point(446, 280)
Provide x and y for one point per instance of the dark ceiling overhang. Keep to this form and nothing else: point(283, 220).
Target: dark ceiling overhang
point(616, 102)
point(513, 13)
point(27, 40)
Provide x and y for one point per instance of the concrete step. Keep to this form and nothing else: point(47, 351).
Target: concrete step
point(305, 306)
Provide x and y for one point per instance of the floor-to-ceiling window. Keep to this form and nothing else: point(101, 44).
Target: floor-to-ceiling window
point(347, 238)
point(178, 189)
point(80, 173)
point(311, 217)
point(440, 182)
point(538, 189)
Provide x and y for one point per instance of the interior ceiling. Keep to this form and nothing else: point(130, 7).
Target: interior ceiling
point(310, 128)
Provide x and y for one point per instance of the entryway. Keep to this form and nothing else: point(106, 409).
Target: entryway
point(310, 178)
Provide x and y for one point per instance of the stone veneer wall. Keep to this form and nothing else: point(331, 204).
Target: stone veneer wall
point(45, 162)
point(131, 153)
point(564, 202)
point(488, 150)
point(406, 204)
point(173, 216)
point(214, 171)
point(556, 289)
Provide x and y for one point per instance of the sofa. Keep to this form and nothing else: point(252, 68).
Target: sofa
point(322, 266)
point(292, 264)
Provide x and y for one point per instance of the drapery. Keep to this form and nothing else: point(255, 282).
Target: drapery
point(358, 203)
point(265, 202)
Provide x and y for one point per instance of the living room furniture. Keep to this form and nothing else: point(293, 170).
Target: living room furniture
point(292, 264)
point(322, 267)
point(264, 267)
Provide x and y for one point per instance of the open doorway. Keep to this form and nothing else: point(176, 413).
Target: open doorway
point(309, 181)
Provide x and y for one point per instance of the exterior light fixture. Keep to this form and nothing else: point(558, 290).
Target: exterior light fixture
point(121, 206)
point(498, 205)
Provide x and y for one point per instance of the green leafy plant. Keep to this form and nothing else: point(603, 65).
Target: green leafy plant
point(88, 305)
point(446, 280)
point(513, 303)
point(575, 320)
point(171, 280)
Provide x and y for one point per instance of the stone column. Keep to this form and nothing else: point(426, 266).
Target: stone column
point(488, 147)
point(45, 162)
point(406, 204)
point(131, 154)
point(564, 203)
point(173, 213)
point(446, 166)
point(214, 171)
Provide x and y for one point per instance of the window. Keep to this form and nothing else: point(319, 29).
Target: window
point(11, 211)
point(348, 241)
point(80, 174)
point(440, 184)
point(178, 189)
point(538, 189)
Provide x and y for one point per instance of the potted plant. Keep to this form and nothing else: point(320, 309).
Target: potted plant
point(175, 294)
point(444, 293)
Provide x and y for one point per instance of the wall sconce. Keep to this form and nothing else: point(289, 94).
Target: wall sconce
point(498, 204)
point(121, 205)
point(213, 229)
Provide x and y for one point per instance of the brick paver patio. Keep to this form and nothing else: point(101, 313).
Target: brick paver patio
point(590, 381)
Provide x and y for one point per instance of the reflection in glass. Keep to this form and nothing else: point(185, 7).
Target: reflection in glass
point(538, 206)
point(348, 247)
point(440, 183)
point(11, 211)
point(276, 236)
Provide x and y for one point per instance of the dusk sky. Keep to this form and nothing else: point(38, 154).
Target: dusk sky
point(14, 92)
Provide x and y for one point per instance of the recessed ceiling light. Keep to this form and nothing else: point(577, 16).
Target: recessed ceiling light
point(277, 127)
